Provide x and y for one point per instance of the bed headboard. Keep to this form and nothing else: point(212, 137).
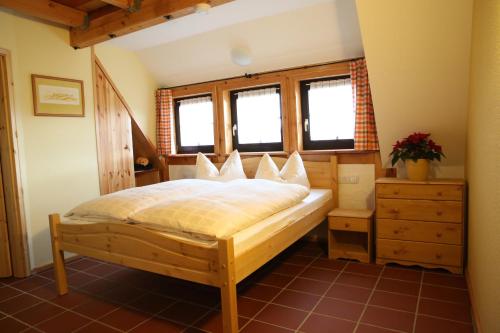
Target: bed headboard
point(320, 174)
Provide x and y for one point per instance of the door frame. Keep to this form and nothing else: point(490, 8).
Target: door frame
point(13, 191)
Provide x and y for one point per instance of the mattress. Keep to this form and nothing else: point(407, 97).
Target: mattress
point(248, 238)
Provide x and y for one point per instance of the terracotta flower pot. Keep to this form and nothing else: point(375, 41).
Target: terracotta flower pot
point(417, 171)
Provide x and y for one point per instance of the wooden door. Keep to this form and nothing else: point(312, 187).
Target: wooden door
point(114, 137)
point(5, 263)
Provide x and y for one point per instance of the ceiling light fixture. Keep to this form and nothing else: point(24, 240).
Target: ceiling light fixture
point(202, 8)
point(241, 56)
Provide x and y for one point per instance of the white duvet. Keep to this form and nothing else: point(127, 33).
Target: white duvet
point(231, 207)
point(121, 205)
point(199, 208)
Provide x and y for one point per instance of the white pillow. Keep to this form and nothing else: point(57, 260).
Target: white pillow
point(231, 169)
point(292, 172)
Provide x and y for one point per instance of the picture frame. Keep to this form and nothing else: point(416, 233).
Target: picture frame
point(57, 97)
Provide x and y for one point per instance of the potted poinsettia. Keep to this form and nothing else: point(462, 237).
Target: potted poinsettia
point(416, 151)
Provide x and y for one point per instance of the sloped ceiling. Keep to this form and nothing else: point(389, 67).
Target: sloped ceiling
point(279, 34)
point(418, 55)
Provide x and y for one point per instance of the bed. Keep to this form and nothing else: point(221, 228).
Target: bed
point(220, 263)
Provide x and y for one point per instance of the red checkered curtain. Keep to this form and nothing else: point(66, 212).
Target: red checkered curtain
point(164, 110)
point(365, 133)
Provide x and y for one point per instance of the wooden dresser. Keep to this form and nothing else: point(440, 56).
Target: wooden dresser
point(420, 223)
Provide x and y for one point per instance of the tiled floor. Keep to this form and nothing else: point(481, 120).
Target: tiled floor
point(300, 291)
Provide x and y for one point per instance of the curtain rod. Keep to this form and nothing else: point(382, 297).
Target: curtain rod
point(247, 75)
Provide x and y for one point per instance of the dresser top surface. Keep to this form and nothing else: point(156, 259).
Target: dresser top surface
point(441, 181)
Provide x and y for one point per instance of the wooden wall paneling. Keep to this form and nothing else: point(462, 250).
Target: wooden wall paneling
point(114, 138)
point(12, 183)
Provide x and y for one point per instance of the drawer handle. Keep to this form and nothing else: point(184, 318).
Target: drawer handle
point(396, 192)
point(395, 210)
point(439, 213)
point(440, 194)
point(439, 235)
point(396, 232)
point(347, 225)
point(439, 256)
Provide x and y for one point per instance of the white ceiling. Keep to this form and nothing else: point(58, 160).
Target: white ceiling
point(278, 33)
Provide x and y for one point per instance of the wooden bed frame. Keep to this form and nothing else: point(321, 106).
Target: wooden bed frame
point(216, 266)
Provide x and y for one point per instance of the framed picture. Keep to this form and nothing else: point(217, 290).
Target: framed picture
point(57, 97)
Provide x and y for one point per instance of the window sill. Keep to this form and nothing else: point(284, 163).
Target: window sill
point(335, 151)
point(189, 155)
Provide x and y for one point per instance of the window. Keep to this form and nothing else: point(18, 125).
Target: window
point(194, 124)
point(328, 115)
point(256, 119)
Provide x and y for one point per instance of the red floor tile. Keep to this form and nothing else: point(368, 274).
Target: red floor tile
point(82, 264)
point(80, 279)
point(18, 303)
point(124, 319)
point(96, 327)
point(256, 326)
point(103, 270)
point(297, 300)
point(288, 269)
point(445, 294)
point(39, 313)
point(357, 280)
point(349, 293)
point(309, 286)
point(261, 292)
point(388, 318)
point(275, 280)
point(184, 313)
point(7, 292)
point(297, 260)
point(365, 269)
point(11, 325)
point(63, 323)
point(320, 274)
point(397, 286)
point(158, 325)
point(151, 303)
point(435, 325)
point(445, 310)
point(329, 264)
point(96, 308)
point(322, 324)
point(410, 275)
point(394, 301)
point(30, 283)
point(281, 316)
point(71, 299)
point(364, 328)
point(212, 322)
point(339, 308)
point(446, 280)
point(249, 307)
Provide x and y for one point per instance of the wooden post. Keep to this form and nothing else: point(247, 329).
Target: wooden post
point(58, 255)
point(228, 286)
point(335, 180)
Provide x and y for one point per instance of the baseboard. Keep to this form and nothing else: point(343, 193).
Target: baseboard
point(48, 266)
point(475, 313)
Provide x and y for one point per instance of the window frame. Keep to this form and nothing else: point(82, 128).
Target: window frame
point(254, 147)
point(207, 149)
point(307, 143)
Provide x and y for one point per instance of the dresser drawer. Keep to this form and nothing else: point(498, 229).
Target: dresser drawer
point(440, 254)
point(422, 210)
point(348, 224)
point(445, 233)
point(420, 191)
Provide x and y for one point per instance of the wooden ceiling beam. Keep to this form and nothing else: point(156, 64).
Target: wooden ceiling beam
point(150, 12)
point(47, 10)
point(123, 4)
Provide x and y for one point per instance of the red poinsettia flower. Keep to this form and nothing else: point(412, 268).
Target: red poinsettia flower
point(416, 146)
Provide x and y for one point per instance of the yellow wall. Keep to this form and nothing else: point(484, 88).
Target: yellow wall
point(417, 54)
point(483, 165)
point(58, 154)
point(134, 82)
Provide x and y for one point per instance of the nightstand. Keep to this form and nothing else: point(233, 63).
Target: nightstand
point(350, 234)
